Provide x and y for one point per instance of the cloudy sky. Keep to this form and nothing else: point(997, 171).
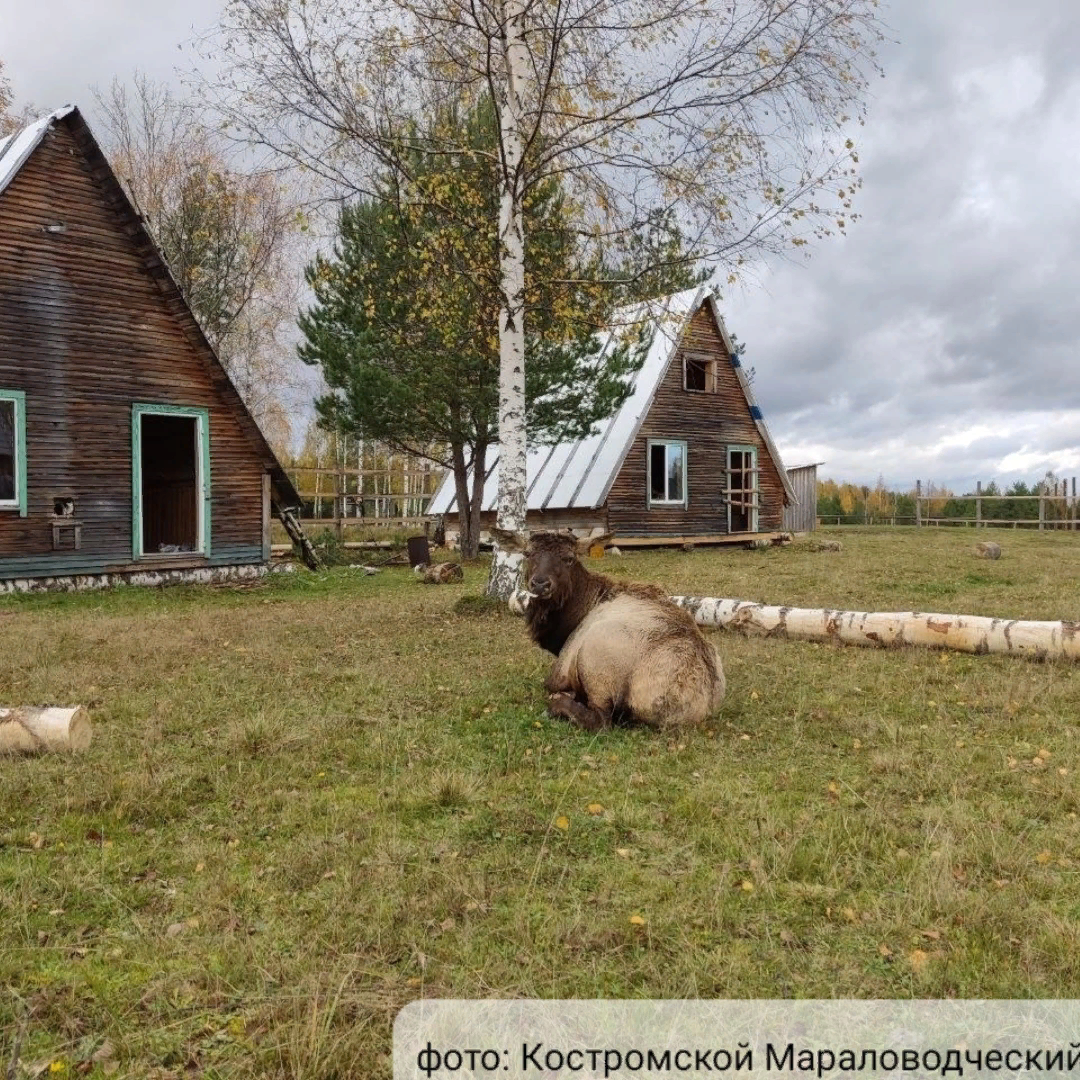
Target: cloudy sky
point(940, 339)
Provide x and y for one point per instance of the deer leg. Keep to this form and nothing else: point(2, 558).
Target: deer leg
point(580, 714)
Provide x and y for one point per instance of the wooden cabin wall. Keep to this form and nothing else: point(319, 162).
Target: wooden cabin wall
point(708, 422)
point(85, 331)
point(583, 521)
point(802, 516)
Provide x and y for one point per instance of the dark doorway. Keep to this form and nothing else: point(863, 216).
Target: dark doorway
point(170, 484)
point(7, 451)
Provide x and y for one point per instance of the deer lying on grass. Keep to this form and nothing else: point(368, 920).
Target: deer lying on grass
point(624, 652)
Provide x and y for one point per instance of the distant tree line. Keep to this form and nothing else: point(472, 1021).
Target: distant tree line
point(851, 504)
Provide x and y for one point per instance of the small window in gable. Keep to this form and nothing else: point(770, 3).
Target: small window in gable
point(697, 374)
point(13, 451)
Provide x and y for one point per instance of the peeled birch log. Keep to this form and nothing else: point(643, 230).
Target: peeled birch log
point(32, 730)
point(977, 634)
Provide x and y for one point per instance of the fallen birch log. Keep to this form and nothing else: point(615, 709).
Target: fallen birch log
point(978, 634)
point(32, 730)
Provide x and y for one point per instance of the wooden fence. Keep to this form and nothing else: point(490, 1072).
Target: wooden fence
point(1057, 506)
point(352, 498)
point(1058, 509)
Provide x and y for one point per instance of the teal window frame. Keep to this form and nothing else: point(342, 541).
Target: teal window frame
point(18, 398)
point(201, 417)
point(668, 504)
point(754, 464)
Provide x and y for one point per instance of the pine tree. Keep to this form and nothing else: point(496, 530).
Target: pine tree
point(404, 324)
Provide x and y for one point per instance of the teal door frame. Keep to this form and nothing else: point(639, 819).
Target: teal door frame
point(201, 417)
point(745, 448)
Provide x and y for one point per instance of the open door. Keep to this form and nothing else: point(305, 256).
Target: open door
point(742, 489)
point(170, 481)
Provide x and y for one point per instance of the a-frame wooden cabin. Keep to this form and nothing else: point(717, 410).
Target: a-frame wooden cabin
point(125, 449)
point(687, 457)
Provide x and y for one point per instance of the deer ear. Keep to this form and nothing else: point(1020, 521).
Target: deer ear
point(587, 543)
point(514, 542)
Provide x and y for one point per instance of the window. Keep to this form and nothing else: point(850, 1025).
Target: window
point(170, 480)
point(697, 374)
point(667, 473)
point(13, 451)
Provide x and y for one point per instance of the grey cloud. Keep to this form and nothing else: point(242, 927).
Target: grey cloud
point(56, 51)
point(952, 300)
point(954, 297)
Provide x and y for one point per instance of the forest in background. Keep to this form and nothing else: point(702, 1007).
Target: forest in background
point(851, 504)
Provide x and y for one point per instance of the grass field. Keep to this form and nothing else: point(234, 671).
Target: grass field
point(312, 801)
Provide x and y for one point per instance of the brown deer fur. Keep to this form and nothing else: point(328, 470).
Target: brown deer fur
point(624, 652)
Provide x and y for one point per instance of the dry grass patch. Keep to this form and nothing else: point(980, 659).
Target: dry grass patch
point(311, 802)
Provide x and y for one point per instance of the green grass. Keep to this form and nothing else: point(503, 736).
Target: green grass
point(310, 802)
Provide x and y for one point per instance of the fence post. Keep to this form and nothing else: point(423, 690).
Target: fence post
point(1074, 504)
point(978, 504)
point(1042, 509)
point(339, 504)
point(918, 504)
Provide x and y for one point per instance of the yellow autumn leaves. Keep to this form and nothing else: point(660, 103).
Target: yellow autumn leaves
point(594, 809)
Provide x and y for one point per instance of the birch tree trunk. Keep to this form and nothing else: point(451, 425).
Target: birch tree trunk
point(977, 634)
point(505, 565)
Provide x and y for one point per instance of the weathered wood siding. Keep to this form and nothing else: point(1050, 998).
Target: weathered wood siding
point(583, 521)
point(89, 325)
point(708, 422)
point(802, 517)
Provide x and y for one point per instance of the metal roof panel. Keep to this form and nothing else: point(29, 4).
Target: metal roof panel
point(17, 147)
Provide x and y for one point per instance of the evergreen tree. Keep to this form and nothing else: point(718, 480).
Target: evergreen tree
point(404, 324)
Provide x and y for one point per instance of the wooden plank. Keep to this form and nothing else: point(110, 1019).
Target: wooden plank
point(429, 495)
point(363, 522)
point(678, 541)
point(266, 516)
point(435, 472)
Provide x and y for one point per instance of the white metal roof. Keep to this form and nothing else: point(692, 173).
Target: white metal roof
point(579, 474)
point(16, 148)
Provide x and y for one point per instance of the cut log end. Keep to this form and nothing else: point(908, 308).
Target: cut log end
point(49, 729)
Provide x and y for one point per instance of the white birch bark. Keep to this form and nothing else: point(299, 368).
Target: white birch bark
point(34, 730)
point(977, 634)
point(506, 566)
